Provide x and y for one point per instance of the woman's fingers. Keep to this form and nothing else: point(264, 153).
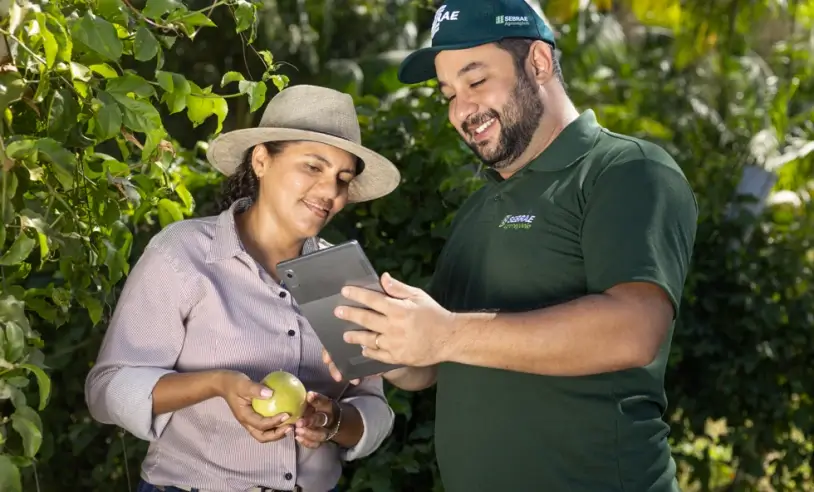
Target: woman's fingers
point(311, 437)
point(274, 434)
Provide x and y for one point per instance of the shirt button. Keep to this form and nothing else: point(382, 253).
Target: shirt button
point(288, 476)
point(291, 333)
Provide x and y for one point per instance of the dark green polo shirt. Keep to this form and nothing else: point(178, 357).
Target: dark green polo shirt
point(594, 210)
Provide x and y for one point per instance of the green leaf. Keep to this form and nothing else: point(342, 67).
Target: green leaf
point(32, 220)
point(8, 186)
point(12, 87)
point(201, 105)
point(19, 250)
point(13, 309)
point(145, 46)
point(49, 42)
point(186, 197)
point(192, 19)
point(43, 382)
point(15, 342)
point(138, 116)
point(244, 16)
point(98, 35)
point(229, 77)
point(80, 72)
point(176, 88)
point(27, 423)
point(9, 475)
point(113, 10)
point(104, 70)
point(256, 92)
point(279, 81)
point(62, 114)
point(107, 122)
point(129, 83)
point(168, 212)
point(64, 162)
point(156, 8)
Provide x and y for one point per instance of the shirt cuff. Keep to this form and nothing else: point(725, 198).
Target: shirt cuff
point(377, 420)
point(129, 400)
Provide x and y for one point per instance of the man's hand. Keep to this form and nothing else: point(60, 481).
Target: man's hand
point(408, 327)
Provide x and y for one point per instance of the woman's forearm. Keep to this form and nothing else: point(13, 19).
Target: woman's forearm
point(351, 427)
point(176, 391)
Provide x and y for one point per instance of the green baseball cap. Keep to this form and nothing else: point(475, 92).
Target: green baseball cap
point(461, 24)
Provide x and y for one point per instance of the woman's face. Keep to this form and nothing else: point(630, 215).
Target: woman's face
point(304, 185)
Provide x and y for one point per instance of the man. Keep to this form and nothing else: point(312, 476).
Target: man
point(550, 314)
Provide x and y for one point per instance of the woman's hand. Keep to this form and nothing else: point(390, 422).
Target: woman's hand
point(238, 391)
point(317, 421)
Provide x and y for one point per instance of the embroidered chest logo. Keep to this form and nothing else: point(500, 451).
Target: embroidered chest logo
point(517, 222)
point(441, 15)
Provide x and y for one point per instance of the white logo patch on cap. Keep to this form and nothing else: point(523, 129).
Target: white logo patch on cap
point(442, 15)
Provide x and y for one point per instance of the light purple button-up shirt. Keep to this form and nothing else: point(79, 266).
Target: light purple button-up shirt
point(194, 301)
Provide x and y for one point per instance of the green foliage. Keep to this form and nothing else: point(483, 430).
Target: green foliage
point(86, 162)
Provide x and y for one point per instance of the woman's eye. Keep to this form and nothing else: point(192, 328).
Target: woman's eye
point(312, 168)
point(477, 83)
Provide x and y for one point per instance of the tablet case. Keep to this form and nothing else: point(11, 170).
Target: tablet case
point(315, 281)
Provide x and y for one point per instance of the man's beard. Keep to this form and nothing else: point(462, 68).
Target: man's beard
point(519, 121)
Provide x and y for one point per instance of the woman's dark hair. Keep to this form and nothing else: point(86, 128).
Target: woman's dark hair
point(243, 183)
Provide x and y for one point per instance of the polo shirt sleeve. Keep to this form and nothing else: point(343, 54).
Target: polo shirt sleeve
point(639, 225)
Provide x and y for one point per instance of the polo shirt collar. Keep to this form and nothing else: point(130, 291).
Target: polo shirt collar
point(226, 242)
point(573, 142)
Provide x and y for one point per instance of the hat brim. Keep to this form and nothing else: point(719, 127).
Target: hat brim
point(379, 177)
point(419, 66)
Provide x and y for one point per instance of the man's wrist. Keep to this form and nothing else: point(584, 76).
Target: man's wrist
point(462, 328)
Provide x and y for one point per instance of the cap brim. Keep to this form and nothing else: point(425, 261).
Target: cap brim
point(419, 66)
point(379, 177)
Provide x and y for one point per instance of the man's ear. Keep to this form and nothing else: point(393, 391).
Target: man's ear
point(541, 58)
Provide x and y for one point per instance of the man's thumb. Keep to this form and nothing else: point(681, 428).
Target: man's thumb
point(396, 289)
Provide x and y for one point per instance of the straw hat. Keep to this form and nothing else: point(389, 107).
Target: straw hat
point(317, 114)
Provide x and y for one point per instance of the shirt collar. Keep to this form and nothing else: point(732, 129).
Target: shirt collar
point(576, 140)
point(226, 242)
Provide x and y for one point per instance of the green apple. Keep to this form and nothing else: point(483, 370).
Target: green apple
point(289, 397)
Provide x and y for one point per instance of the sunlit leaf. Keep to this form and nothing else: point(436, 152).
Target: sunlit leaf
point(256, 92)
point(168, 212)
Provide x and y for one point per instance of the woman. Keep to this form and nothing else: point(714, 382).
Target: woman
point(202, 317)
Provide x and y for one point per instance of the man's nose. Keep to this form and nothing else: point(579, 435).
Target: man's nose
point(464, 108)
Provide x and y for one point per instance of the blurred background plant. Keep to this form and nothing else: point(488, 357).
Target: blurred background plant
point(107, 108)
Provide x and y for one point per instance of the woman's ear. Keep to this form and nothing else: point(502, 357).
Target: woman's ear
point(259, 160)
